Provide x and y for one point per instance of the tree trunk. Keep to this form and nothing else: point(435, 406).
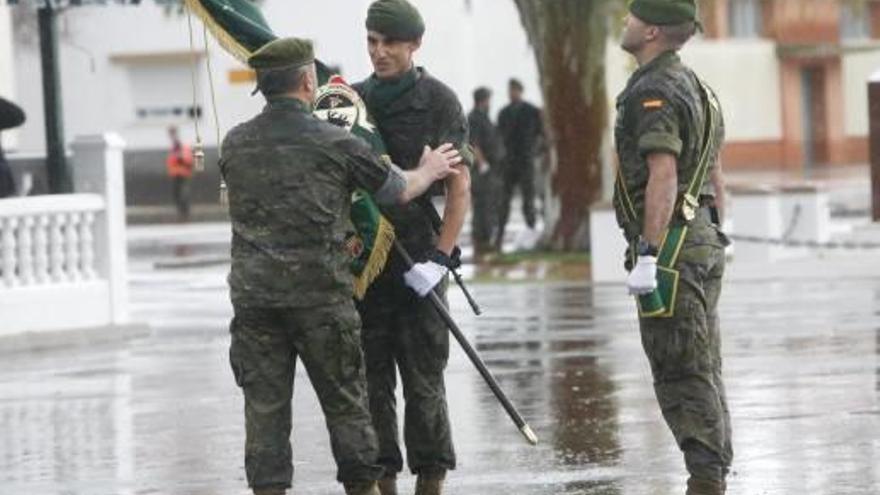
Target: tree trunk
point(569, 38)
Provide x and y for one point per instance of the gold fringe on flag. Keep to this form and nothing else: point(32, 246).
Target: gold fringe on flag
point(226, 40)
point(378, 257)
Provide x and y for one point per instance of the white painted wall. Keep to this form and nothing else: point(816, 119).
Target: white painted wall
point(857, 69)
point(7, 76)
point(483, 44)
point(744, 73)
point(464, 47)
point(746, 76)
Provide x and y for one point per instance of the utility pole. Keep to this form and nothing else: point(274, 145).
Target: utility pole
point(57, 170)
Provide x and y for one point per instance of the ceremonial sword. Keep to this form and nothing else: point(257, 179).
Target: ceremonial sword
point(517, 418)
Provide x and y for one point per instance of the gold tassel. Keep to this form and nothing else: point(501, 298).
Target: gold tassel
point(198, 156)
point(378, 257)
point(224, 194)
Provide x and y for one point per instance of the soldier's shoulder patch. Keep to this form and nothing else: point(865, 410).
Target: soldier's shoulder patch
point(652, 104)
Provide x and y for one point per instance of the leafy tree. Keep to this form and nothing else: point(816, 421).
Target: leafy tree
point(569, 39)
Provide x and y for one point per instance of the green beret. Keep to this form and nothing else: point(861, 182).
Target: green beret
point(396, 19)
point(283, 53)
point(664, 12)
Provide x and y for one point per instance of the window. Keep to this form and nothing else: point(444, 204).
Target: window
point(855, 20)
point(744, 18)
point(161, 92)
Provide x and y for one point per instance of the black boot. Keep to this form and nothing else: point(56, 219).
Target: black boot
point(697, 486)
point(429, 485)
point(388, 485)
point(270, 491)
point(361, 488)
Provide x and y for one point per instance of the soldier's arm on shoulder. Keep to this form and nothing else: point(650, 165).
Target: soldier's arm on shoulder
point(453, 127)
point(657, 123)
point(372, 172)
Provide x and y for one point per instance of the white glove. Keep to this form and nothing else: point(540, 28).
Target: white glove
point(643, 277)
point(423, 277)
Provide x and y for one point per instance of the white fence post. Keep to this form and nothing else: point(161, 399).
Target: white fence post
point(756, 212)
point(98, 168)
point(607, 245)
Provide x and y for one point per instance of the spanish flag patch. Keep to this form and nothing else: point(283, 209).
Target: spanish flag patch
point(652, 104)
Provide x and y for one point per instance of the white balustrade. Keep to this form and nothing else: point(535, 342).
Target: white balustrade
point(25, 251)
point(87, 246)
point(63, 257)
point(56, 247)
point(48, 239)
point(7, 245)
point(41, 249)
point(71, 243)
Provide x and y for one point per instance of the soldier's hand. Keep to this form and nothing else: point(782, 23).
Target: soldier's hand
point(441, 161)
point(643, 277)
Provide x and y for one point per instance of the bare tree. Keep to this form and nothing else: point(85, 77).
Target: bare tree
point(569, 38)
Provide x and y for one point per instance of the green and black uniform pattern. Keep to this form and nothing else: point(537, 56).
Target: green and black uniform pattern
point(401, 330)
point(663, 109)
point(486, 186)
point(290, 178)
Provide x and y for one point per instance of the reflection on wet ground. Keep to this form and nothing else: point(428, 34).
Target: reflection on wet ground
point(161, 414)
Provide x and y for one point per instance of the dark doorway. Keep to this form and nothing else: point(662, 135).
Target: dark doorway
point(814, 117)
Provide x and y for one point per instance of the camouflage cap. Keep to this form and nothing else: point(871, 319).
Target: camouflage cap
point(283, 53)
point(664, 12)
point(396, 19)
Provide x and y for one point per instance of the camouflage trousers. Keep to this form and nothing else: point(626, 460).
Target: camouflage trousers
point(685, 356)
point(265, 345)
point(403, 332)
point(485, 192)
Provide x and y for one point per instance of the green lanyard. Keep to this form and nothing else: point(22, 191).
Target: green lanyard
point(691, 199)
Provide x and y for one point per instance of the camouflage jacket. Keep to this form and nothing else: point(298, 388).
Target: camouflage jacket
point(428, 114)
point(290, 178)
point(660, 110)
point(485, 136)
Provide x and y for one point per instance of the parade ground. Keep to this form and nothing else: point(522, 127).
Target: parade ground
point(153, 409)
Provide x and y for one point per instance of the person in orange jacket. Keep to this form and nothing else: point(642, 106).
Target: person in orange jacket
point(180, 169)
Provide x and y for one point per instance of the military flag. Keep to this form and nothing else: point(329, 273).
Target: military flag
point(241, 29)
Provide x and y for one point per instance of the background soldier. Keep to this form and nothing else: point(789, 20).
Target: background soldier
point(668, 136)
point(521, 127)
point(402, 329)
point(290, 179)
point(486, 185)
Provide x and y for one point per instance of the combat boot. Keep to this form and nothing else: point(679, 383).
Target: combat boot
point(698, 486)
point(270, 491)
point(429, 485)
point(361, 488)
point(388, 485)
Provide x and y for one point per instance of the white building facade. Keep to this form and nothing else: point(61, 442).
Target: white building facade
point(129, 69)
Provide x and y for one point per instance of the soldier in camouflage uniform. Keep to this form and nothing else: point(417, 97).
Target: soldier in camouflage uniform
point(487, 181)
point(402, 330)
point(669, 202)
point(290, 178)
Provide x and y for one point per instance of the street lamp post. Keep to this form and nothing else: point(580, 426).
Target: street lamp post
point(57, 170)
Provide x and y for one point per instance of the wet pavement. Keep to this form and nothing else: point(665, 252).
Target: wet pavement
point(160, 414)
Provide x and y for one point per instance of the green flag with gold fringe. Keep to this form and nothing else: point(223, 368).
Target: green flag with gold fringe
point(241, 29)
